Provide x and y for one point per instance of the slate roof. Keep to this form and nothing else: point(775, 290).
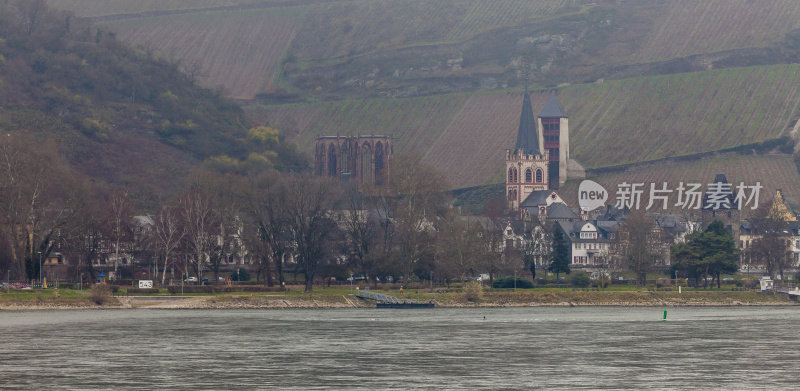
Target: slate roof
point(552, 108)
point(538, 197)
point(608, 226)
point(573, 229)
point(560, 210)
point(527, 138)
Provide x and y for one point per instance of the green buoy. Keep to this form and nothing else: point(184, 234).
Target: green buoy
point(665, 315)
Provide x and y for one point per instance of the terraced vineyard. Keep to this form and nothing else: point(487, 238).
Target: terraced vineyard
point(772, 171)
point(611, 123)
point(330, 36)
point(238, 50)
point(649, 118)
point(94, 8)
point(483, 15)
point(689, 27)
point(414, 123)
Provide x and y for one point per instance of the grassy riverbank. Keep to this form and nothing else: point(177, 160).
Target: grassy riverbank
point(345, 298)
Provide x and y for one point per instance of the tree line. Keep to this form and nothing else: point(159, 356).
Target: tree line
point(269, 219)
point(278, 222)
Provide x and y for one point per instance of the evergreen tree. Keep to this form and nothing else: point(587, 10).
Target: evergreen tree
point(708, 253)
point(559, 260)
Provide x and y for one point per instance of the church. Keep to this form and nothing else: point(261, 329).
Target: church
point(537, 165)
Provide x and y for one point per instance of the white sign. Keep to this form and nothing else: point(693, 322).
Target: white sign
point(591, 195)
point(718, 195)
point(145, 284)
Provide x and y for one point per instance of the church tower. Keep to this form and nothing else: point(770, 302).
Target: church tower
point(555, 129)
point(527, 163)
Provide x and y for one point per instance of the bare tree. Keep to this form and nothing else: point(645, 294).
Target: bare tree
point(361, 234)
point(772, 248)
point(32, 206)
point(458, 246)
point(119, 224)
point(419, 202)
point(167, 236)
point(307, 206)
point(227, 193)
point(201, 226)
point(638, 244)
point(269, 215)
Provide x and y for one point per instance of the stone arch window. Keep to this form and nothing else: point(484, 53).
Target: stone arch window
point(322, 156)
point(528, 175)
point(355, 168)
point(539, 176)
point(345, 152)
point(511, 195)
point(332, 166)
point(366, 164)
point(510, 174)
point(379, 164)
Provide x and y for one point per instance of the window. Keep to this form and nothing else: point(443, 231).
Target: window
point(511, 175)
point(538, 176)
point(529, 175)
point(551, 123)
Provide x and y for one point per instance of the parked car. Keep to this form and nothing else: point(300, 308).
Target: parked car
point(191, 279)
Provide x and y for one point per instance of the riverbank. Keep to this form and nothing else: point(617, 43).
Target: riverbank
point(346, 299)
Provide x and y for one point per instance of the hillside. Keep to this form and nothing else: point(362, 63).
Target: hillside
point(119, 116)
point(640, 80)
point(611, 123)
point(341, 48)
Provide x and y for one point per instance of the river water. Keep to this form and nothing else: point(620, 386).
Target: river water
point(370, 349)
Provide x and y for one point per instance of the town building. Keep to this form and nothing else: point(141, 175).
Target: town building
point(362, 159)
point(538, 161)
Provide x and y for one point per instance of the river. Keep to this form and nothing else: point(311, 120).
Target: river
point(370, 349)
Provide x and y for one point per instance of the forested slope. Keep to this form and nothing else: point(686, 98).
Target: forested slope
point(118, 115)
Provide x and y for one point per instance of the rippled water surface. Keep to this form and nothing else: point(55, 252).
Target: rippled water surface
point(370, 349)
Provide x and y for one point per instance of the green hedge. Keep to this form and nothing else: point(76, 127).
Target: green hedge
point(508, 282)
point(141, 290)
point(221, 289)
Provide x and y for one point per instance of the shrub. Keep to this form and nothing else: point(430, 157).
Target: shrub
point(241, 275)
point(176, 289)
point(580, 280)
point(749, 283)
point(508, 282)
point(473, 291)
point(100, 293)
point(142, 290)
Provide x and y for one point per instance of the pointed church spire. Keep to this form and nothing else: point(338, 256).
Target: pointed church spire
point(552, 109)
point(527, 138)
